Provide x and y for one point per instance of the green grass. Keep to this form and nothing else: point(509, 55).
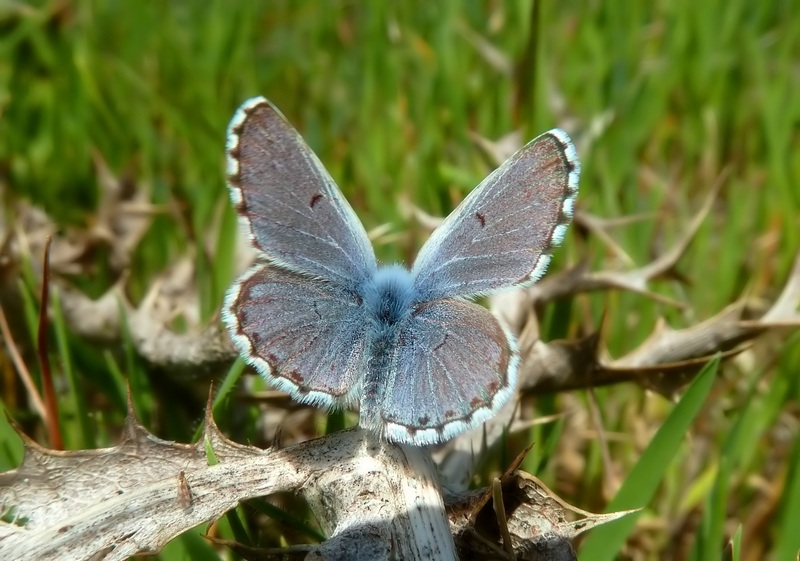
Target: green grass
point(663, 98)
point(644, 478)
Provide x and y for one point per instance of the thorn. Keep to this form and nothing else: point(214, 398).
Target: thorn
point(515, 463)
point(131, 413)
point(210, 403)
point(500, 513)
point(276, 439)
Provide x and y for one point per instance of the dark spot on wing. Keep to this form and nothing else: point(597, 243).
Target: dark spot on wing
point(272, 360)
point(419, 308)
point(476, 402)
point(423, 421)
point(481, 218)
point(570, 166)
point(493, 387)
point(449, 414)
point(314, 200)
point(553, 161)
point(295, 376)
point(235, 152)
point(252, 109)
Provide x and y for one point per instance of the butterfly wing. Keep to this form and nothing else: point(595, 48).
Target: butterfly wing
point(305, 336)
point(501, 235)
point(452, 369)
point(293, 210)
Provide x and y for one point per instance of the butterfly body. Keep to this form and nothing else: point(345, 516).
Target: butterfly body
point(319, 318)
point(388, 300)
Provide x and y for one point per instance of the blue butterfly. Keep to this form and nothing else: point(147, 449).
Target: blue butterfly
point(319, 318)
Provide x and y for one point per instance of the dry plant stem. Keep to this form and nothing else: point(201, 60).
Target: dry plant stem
point(600, 227)
point(566, 365)
point(182, 354)
point(22, 370)
point(500, 513)
point(530, 521)
point(722, 332)
point(388, 506)
point(610, 481)
point(378, 501)
point(580, 279)
point(50, 401)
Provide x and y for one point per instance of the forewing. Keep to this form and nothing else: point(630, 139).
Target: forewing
point(453, 368)
point(296, 215)
point(502, 234)
point(305, 336)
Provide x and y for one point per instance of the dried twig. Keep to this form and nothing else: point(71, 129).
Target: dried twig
point(374, 500)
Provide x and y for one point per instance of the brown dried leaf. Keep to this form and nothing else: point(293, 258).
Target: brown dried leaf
point(542, 526)
point(124, 214)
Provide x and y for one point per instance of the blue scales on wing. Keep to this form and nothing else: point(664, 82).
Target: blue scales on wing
point(452, 368)
point(305, 336)
point(502, 234)
point(290, 205)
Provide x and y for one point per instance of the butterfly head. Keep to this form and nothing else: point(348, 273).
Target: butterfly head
point(389, 297)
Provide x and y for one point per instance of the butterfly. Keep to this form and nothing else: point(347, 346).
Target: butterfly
point(319, 318)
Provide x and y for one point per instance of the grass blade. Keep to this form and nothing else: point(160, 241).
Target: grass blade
point(604, 543)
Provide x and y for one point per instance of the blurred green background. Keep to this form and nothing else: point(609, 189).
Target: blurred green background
point(664, 99)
